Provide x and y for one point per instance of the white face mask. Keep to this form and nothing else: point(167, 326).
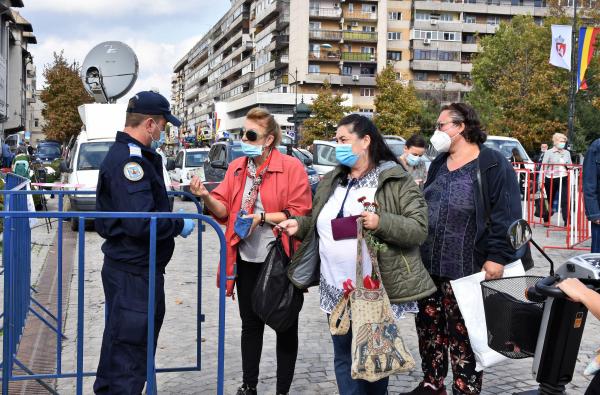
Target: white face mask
point(441, 141)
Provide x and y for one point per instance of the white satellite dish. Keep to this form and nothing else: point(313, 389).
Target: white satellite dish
point(109, 71)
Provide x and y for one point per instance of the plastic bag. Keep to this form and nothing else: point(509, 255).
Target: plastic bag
point(467, 291)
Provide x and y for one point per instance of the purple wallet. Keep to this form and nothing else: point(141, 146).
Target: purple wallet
point(344, 228)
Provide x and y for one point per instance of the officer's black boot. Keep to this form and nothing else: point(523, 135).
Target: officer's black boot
point(246, 390)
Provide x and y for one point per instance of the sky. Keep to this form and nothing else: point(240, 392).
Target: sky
point(159, 31)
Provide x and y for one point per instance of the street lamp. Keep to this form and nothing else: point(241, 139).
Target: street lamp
point(301, 111)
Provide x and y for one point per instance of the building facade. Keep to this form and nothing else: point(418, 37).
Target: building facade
point(270, 53)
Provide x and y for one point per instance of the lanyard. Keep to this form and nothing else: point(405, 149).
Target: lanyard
point(350, 184)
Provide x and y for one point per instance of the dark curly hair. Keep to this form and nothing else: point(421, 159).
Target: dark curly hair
point(363, 126)
point(464, 113)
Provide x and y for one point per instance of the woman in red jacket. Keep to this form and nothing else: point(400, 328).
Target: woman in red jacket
point(265, 187)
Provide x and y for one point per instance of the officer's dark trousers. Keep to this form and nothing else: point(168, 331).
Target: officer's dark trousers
point(252, 333)
point(122, 366)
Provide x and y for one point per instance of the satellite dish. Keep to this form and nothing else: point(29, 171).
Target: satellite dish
point(109, 71)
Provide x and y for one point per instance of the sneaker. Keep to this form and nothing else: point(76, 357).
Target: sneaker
point(246, 390)
point(426, 390)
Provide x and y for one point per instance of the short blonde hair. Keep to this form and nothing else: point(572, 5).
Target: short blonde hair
point(265, 119)
point(558, 136)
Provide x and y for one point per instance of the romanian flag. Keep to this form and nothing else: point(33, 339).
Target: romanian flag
point(587, 44)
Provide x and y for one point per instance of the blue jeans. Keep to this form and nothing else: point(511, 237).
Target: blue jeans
point(595, 238)
point(342, 359)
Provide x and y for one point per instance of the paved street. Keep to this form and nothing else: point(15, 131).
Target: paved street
point(314, 369)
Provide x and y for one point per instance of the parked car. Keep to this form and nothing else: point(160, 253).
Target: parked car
point(219, 157)
point(187, 163)
point(507, 145)
point(396, 144)
point(48, 151)
point(306, 160)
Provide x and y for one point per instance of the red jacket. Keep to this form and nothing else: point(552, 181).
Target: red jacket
point(285, 186)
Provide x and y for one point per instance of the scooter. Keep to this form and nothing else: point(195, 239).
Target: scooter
point(562, 320)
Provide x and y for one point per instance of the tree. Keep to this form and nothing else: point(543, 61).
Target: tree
point(62, 94)
point(515, 90)
point(397, 108)
point(327, 110)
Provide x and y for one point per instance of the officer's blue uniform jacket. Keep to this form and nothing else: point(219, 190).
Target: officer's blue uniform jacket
point(127, 244)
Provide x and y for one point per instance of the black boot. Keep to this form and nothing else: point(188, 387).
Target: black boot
point(246, 390)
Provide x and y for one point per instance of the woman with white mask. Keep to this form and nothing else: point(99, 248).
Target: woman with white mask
point(472, 196)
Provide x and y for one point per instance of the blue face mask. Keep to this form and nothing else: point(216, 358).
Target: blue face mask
point(251, 151)
point(560, 145)
point(345, 155)
point(413, 160)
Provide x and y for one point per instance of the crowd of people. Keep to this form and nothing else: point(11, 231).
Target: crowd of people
point(430, 227)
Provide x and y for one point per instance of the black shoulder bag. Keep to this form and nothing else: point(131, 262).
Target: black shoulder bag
point(275, 299)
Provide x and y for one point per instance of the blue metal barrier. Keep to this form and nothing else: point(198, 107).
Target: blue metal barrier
point(18, 301)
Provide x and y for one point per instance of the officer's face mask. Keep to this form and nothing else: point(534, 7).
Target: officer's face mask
point(160, 133)
point(157, 143)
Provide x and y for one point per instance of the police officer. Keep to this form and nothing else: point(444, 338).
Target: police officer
point(131, 180)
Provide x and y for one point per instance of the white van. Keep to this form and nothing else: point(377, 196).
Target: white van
point(510, 146)
point(81, 167)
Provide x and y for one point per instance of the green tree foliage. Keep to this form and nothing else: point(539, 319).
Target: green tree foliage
point(327, 109)
point(397, 109)
point(62, 94)
point(515, 90)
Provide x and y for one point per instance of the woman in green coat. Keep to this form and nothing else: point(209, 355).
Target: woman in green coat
point(368, 176)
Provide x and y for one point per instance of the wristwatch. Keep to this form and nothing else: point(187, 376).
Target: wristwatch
point(262, 219)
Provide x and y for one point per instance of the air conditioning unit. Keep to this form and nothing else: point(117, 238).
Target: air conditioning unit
point(427, 41)
point(354, 23)
point(433, 21)
point(355, 77)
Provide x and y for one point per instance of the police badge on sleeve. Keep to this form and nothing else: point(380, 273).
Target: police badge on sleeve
point(133, 171)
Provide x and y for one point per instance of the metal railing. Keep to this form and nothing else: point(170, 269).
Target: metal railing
point(335, 35)
point(359, 57)
point(18, 302)
point(324, 55)
point(359, 36)
point(325, 12)
point(360, 15)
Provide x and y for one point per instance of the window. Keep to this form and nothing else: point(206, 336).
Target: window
point(469, 38)
point(446, 17)
point(394, 55)
point(195, 159)
point(421, 76)
point(347, 70)
point(370, 50)
point(369, 8)
point(314, 68)
point(446, 77)
point(493, 20)
point(370, 29)
point(314, 25)
point(449, 36)
point(367, 92)
point(91, 155)
point(422, 54)
point(422, 16)
point(395, 16)
point(351, 7)
point(448, 56)
point(470, 18)
point(36, 122)
point(394, 36)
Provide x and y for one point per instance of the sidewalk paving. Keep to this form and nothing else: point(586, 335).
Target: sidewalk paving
point(314, 368)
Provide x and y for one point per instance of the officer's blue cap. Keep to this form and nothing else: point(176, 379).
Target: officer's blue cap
point(152, 103)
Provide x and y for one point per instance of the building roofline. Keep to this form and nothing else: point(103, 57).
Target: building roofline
point(19, 20)
point(181, 63)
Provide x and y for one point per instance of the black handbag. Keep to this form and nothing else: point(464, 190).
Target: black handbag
point(275, 299)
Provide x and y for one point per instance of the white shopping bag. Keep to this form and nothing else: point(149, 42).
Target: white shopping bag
point(469, 297)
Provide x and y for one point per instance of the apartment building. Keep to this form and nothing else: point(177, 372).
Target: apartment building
point(445, 37)
point(274, 53)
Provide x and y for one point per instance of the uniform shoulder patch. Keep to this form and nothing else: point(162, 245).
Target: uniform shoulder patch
point(134, 150)
point(133, 171)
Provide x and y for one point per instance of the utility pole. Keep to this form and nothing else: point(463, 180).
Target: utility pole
point(573, 87)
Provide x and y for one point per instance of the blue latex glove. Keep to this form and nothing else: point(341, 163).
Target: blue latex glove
point(188, 227)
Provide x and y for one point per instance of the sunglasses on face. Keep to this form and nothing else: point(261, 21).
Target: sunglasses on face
point(251, 135)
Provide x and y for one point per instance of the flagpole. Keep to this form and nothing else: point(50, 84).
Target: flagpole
point(573, 87)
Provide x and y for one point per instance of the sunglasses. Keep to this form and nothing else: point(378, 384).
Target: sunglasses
point(251, 135)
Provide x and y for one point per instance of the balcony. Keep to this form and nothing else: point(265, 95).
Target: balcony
point(360, 36)
point(358, 57)
point(282, 41)
point(265, 14)
point(281, 61)
point(324, 56)
point(325, 13)
point(360, 16)
point(327, 35)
